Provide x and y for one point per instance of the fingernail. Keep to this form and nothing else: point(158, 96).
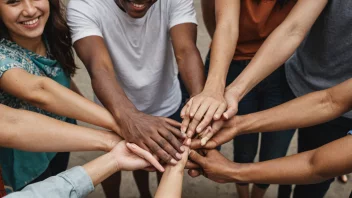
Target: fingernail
point(173, 161)
point(199, 129)
point(226, 116)
point(204, 141)
point(183, 130)
point(178, 156)
point(182, 148)
point(184, 134)
point(189, 141)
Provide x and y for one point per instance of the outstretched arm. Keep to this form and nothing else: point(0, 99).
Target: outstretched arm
point(309, 167)
point(78, 182)
point(210, 103)
point(34, 132)
point(47, 94)
point(311, 109)
point(277, 48)
point(171, 182)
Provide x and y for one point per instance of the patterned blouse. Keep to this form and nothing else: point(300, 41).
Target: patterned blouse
point(19, 167)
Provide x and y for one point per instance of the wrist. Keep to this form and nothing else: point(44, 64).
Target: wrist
point(109, 141)
point(215, 85)
point(113, 162)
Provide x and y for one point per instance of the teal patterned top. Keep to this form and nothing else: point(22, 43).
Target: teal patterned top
point(19, 167)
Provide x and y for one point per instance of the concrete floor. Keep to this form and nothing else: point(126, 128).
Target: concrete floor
point(199, 187)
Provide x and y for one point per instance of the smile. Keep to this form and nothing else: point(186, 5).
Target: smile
point(31, 22)
point(138, 5)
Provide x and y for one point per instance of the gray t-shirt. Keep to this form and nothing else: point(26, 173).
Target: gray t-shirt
point(324, 59)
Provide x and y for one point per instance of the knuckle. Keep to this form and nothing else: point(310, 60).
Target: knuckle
point(169, 137)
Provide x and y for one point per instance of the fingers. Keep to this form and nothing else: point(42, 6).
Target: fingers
point(208, 117)
point(162, 154)
point(185, 110)
point(194, 107)
point(222, 108)
point(206, 137)
point(194, 173)
point(166, 146)
point(173, 123)
point(194, 156)
point(186, 119)
point(191, 165)
point(171, 139)
point(145, 155)
point(175, 131)
point(231, 111)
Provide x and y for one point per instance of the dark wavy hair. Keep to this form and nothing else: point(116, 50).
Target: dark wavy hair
point(58, 36)
point(280, 2)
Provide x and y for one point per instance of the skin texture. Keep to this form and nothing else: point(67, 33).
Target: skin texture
point(41, 91)
point(281, 43)
point(49, 135)
point(171, 182)
point(308, 110)
point(210, 104)
point(305, 168)
point(156, 134)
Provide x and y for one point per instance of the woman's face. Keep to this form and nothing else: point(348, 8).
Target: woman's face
point(24, 19)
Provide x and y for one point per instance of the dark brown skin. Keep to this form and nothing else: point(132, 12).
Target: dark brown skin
point(156, 134)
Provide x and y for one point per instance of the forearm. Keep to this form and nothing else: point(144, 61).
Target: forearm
point(191, 70)
point(110, 93)
point(279, 46)
point(101, 168)
point(62, 101)
point(34, 132)
point(224, 43)
point(171, 183)
point(305, 168)
point(308, 110)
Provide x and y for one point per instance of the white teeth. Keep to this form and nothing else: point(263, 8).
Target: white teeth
point(138, 5)
point(31, 22)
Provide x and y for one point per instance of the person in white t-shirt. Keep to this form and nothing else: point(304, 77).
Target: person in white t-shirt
point(131, 49)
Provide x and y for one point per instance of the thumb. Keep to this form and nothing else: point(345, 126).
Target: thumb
point(194, 156)
point(230, 112)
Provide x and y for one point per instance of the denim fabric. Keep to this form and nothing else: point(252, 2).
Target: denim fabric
point(310, 138)
point(271, 92)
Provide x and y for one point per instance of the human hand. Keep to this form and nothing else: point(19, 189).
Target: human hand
point(156, 134)
point(201, 109)
point(130, 157)
point(213, 165)
point(232, 98)
point(225, 130)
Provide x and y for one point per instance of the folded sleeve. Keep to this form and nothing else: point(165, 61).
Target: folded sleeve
point(74, 183)
point(7, 63)
point(181, 11)
point(83, 20)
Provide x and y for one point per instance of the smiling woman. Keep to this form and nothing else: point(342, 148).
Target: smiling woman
point(36, 63)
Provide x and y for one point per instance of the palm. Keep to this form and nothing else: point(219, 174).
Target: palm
point(126, 159)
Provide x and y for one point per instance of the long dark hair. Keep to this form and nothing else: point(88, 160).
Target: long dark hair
point(280, 2)
point(58, 36)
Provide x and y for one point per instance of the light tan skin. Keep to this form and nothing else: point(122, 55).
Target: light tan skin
point(171, 183)
point(156, 134)
point(210, 103)
point(277, 48)
point(304, 168)
point(29, 131)
point(40, 91)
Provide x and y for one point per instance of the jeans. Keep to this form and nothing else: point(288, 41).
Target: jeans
point(271, 92)
point(311, 138)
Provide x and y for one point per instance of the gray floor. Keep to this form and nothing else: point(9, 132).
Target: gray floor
point(199, 187)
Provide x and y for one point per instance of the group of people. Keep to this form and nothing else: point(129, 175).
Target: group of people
point(273, 66)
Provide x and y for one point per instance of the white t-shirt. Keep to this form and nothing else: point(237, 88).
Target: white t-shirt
point(141, 49)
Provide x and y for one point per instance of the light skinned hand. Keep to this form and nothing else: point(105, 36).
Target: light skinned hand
point(232, 99)
point(130, 157)
point(201, 110)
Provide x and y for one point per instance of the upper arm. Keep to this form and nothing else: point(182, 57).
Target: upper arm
point(303, 16)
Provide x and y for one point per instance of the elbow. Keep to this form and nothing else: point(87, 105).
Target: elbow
point(37, 94)
point(329, 105)
point(318, 171)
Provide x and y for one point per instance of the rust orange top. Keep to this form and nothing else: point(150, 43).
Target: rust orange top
point(257, 21)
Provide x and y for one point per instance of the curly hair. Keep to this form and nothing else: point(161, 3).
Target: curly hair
point(57, 34)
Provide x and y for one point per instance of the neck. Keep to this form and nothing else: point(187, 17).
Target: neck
point(35, 45)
